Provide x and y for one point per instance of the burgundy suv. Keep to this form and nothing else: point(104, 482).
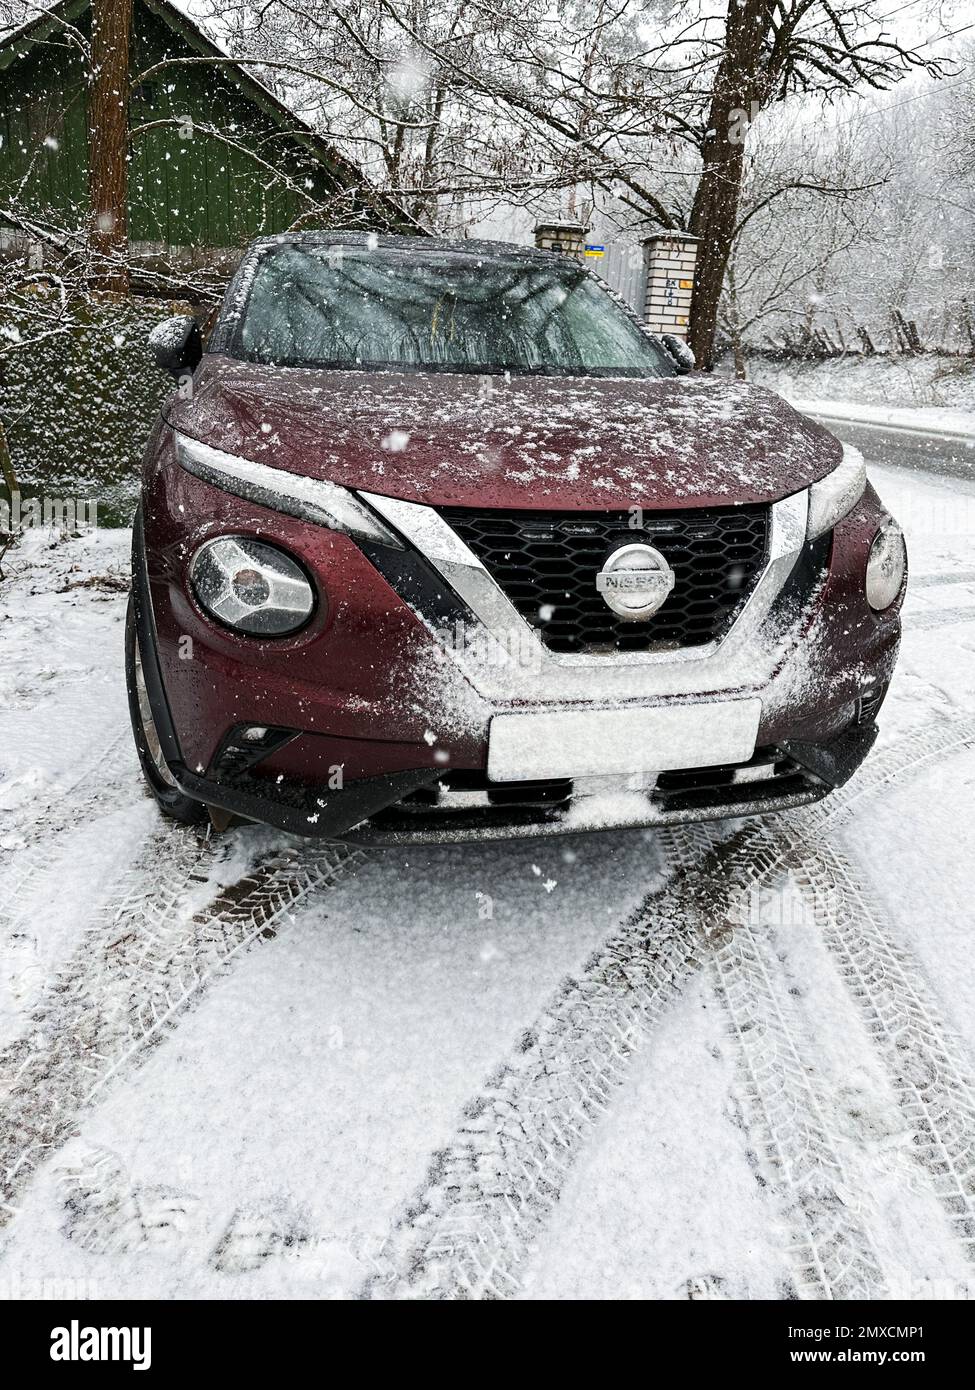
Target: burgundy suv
point(436, 541)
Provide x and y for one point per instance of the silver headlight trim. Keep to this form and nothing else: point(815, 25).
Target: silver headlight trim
point(835, 496)
point(308, 499)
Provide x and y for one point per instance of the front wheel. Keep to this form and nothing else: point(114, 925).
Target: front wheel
point(171, 801)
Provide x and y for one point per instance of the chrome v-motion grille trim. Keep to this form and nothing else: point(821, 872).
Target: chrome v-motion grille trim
point(506, 660)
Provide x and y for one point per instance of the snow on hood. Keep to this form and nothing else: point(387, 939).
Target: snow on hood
point(568, 443)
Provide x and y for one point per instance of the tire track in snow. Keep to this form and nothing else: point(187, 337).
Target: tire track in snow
point(71, 1021)
point(932, 1077)
point(942, 617)
point(796, 1150)
point(31, 882)
point(929, 581)
point(490, 1191)
point(793, 1145)
point(30, 873)
point(151, 953)
point(165, 858)
point(488, 1194)
point(41, 848)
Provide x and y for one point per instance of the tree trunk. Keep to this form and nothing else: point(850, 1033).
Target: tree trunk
point(737, 93)
point(713, 219)
point(108, 142)
point(7, 465)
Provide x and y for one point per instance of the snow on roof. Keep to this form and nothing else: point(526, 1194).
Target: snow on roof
point(16, 15)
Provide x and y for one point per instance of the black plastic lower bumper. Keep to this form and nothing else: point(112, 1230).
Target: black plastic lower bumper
point(322, 812)
point(771, 781)
point(409, 808)
point(835, 763)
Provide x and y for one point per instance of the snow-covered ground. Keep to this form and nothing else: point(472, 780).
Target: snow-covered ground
point(923, 437)
point(958, 425)
point(732, 1062)
point(903, 382)
point(918, 412)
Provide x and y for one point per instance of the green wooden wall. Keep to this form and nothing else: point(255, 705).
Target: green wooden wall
point(185, 192)
point(43, 131)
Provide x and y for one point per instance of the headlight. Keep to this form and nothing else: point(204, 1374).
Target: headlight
point(251, 587)
point(837, 494)
point(309, 499)
point(886, 566)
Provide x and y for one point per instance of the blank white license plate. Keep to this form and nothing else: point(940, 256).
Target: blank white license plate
point(594, 743)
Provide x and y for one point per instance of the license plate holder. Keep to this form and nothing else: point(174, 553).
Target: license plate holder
point(538, 744)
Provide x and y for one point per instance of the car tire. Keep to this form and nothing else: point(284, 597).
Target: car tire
point(171, 801)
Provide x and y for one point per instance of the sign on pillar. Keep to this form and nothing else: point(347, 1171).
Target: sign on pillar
point(671, 258)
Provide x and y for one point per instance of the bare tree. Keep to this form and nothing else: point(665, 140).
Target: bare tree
point(808, 198)
point(956, 136)
point(733, 67)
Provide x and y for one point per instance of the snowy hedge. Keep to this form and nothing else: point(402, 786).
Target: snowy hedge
point(79, 393)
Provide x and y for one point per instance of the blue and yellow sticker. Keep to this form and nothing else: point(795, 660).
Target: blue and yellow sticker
point(595, 251)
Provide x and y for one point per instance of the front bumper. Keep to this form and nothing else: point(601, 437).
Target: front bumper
point(428, 805)
point(377, 731)
point(421, 806)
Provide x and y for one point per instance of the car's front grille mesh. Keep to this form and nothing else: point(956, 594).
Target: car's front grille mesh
point(547, 562)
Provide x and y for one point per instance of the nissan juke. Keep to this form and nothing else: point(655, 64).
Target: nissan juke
point(437, 542)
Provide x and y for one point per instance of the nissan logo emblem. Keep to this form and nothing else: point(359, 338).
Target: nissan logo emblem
point(635, 581)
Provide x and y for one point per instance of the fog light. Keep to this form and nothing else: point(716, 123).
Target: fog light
point(886, 566)
point(252, 587)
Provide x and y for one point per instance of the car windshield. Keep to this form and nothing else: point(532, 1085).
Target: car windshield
point(432, 310)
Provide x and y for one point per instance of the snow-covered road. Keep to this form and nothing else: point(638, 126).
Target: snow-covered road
point(737, 1061)
point(925, 438)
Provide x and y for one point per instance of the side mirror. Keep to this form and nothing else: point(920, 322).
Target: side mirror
point(176, 344)
point(679, 353)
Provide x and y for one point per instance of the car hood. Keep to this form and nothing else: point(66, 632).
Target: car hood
point(566, 443)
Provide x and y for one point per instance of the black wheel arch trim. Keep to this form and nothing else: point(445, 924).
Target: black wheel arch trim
point(145, 631)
